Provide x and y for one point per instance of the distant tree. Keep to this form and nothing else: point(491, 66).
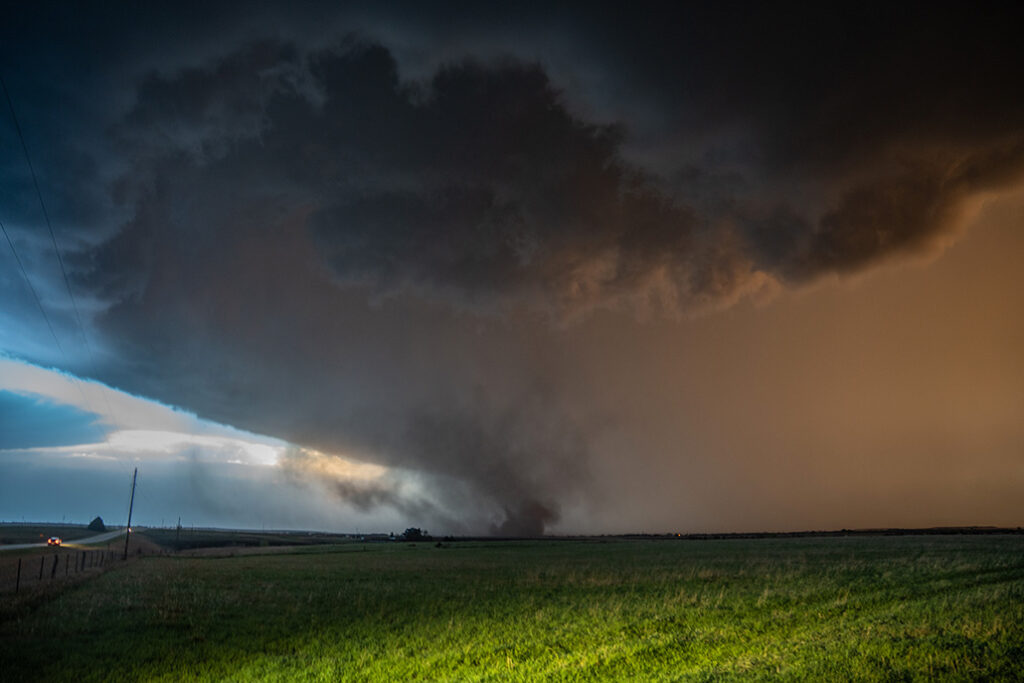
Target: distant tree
point(97, 525)
point(415, 534)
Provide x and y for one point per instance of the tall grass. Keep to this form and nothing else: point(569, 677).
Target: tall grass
point(900, 608)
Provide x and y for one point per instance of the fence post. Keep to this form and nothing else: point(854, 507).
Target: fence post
point(67, 561)
point(56, 559)
point(17, 580)
point(42, 560)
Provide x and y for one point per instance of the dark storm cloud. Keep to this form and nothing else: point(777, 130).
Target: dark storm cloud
point(897, 213)
point(825, 118)
point(341, 245)
point(903, 213)
point(480, 187)
point(342, 162)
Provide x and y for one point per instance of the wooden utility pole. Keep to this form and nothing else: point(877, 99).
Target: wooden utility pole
point(131, 503)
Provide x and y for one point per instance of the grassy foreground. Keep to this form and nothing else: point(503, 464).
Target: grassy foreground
point(874, 608)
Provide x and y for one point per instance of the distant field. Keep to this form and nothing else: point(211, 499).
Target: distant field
point(189, 539)
point(38, 533)
point(864, 608)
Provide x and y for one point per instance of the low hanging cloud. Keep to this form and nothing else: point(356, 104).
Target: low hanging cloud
point(321, 250)
point(481, 189)
point(364, 487)
point(478, 188)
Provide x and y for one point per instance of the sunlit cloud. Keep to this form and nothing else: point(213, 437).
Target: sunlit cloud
point(335, 467)
point(145, 442)
point(181, 455)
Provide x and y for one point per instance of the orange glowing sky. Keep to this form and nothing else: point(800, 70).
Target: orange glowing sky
point(894, 398)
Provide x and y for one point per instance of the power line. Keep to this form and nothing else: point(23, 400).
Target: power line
point(35, 295)
point(60, 259)
point(42, 310)
point(46, 215)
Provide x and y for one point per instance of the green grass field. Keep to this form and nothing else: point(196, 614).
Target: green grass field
point(864, 608)
point(192, 539)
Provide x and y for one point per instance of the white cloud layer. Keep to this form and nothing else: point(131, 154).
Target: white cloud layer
point(220, 475)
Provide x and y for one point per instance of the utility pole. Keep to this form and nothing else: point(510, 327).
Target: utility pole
point(131, 503)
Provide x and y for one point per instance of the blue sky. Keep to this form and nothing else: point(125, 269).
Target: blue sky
point(28, 420)
point(61, 462)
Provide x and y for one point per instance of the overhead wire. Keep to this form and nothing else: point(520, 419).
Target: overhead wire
point(46, 214)
point(42, 310)
point(60, 260)
point(35, 294)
